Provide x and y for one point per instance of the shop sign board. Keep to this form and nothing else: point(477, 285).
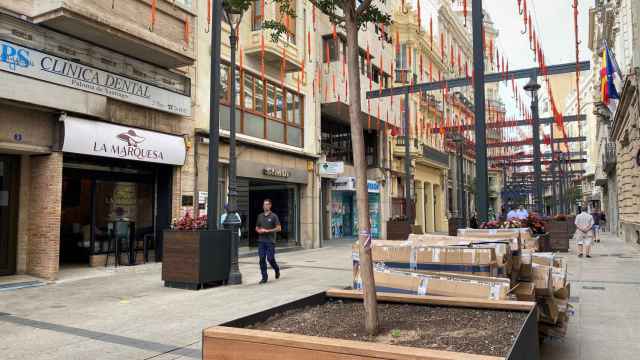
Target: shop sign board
point(32, 63)
point(257, 170)
point(331, 168)
point(348, 183)
point(82, 136)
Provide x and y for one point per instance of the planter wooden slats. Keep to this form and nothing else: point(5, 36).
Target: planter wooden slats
point(560, 233)
point(233, 341)
point(438, 300)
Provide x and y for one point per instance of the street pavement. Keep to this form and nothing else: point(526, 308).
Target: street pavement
point(126, 313)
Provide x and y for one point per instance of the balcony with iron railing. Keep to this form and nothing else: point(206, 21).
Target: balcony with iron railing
point(609, 159)
point(156, 32)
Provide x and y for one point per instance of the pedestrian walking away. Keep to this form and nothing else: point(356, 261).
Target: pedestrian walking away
point(603, 222)
point(597, 219)
point(583, 235)
point(267, 226)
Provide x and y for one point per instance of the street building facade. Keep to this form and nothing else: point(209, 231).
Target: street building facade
point(94, 131)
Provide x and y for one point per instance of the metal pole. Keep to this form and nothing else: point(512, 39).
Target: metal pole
point(407, 161)
point(554, 208)
point(462, 208)
point(232, 220)
point(537, 165)
point(563, 208)
point(214, 117)
point(482, 186)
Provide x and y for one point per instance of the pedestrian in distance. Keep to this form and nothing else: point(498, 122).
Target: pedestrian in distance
point(267, 226)
point(513, 213)
point(522, 213)
point(583, 235)
point(603, 222)
point(597, 218)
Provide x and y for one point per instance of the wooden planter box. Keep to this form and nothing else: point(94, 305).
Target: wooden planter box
point(233, 341)
point(193, 259)
point(560, 233)
point(398, 230)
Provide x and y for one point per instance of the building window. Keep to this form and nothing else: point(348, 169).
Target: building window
point(336, 143)
point(333, 47)
point(263, 109)
point(184, 3)
point(257, 15)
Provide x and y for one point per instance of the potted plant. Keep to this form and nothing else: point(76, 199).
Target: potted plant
point(193, 255)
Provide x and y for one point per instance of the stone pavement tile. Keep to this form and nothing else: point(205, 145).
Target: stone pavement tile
point(130, 315)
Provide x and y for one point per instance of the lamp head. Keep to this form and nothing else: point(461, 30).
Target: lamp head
point(532, 85)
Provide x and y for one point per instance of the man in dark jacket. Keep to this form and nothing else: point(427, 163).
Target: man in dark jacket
point(267, 226)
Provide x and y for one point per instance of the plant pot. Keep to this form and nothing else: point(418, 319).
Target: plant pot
point(194, 259)
point(560, 232)
point(233, 341)
point(398, 230)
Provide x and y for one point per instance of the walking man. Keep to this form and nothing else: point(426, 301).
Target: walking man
point(596, 225)
point(584, 225)
point(267, 226)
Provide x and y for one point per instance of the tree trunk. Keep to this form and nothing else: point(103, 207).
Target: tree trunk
point(360, 164)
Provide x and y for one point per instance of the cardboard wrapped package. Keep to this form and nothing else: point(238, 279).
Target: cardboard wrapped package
point(420, 258)
point(522, 234)
point(542, 279)
point(526, 271)
point(525, 291)
point(419, 284)
point(501, 247)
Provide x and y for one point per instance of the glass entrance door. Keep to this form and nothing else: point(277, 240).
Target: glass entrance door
point(8, 213)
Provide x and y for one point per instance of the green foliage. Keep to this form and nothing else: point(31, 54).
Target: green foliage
point(395, 333)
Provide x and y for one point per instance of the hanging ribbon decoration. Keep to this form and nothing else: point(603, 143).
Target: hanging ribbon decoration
point(262, 56)
point(419, 16)
point(208, 28)
point(186, 33)
point(154, 9)
point(442, 46)
point(465, 12)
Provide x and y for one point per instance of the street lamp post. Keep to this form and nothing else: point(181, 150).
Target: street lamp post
point(533, 87)
point(232, 221)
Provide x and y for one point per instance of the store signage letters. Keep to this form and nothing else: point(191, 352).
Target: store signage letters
point(283, 173)
point(38, 65)
point(89, 137)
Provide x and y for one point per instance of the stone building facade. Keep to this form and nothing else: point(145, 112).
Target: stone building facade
point(94, 130)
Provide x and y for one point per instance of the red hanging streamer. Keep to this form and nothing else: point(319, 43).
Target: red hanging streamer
point(154, 9)
point(431, 32)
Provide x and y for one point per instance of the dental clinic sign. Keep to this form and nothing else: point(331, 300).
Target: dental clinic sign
point(38, 65)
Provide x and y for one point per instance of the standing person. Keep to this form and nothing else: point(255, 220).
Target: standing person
point(603, 221)
point(267, 225)
point(473, 223)
point(584, 225)
point(596, 224)
point(513, 213)
point(522, 213)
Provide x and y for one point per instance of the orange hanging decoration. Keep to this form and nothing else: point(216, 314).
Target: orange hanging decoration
point(313, 15)
point(421, 68)
point(154, 8)
point(187, 32)
point(282, 67)
point(327, 56)
point(453, 59)
point(465, 12)
point(430, 70)
point(262, 56)
point(344, 66)
point(208, 14)
point(397, 43)
point(459, 62)
point(491, 51)
point(442, 46)
point(334, 32)
point(368, 113)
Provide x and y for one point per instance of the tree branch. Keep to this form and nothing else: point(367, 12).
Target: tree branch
point(333, 17)
point(362, 7)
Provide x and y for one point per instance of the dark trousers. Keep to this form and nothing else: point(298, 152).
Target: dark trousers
point(267, 252)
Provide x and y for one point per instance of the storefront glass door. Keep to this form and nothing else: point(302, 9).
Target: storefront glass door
point(8, 213)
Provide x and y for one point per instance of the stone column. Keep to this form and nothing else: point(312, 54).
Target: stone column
point(420, 206)
point(430, 218)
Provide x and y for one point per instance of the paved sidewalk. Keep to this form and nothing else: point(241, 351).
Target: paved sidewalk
point(128, 314)
point(605, 292)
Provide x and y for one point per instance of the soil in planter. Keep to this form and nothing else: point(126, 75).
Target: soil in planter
point(476, 331)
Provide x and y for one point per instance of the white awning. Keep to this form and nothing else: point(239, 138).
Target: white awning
point(88, 137)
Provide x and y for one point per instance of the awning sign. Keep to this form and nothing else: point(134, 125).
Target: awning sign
point(96, 138)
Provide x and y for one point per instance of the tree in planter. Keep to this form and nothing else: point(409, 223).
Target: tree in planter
point(351, 15)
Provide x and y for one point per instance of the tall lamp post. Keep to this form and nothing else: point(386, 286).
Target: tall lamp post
point(232, 222)
point(533, 87)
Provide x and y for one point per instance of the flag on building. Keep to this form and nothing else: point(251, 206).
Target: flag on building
point(608, 73)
